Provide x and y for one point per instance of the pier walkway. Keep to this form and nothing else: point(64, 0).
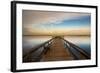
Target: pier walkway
point(57, 51)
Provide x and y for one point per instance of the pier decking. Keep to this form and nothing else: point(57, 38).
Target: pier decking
point(56, 49)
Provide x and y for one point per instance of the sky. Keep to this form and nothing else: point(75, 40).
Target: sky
point(55, 23)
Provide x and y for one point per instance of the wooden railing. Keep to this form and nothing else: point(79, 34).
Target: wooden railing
point(76, 51)
point(45, 47)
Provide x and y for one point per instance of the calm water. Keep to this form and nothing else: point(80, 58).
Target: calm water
point(29, 42)
point(32, 41)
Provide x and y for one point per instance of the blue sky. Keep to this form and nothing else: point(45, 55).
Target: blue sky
point(50, 22)
point(82, 21)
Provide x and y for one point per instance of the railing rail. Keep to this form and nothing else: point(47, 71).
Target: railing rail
point(45, 45)
point(82, 51)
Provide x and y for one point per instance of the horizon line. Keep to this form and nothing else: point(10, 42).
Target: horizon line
point(56, 35)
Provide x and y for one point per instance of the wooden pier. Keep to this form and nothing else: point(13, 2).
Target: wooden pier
point(56, 49)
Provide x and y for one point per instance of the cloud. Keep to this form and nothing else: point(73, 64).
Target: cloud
point(31, 17)
point(46, 22)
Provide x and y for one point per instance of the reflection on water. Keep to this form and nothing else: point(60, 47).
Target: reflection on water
point(33, 41)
